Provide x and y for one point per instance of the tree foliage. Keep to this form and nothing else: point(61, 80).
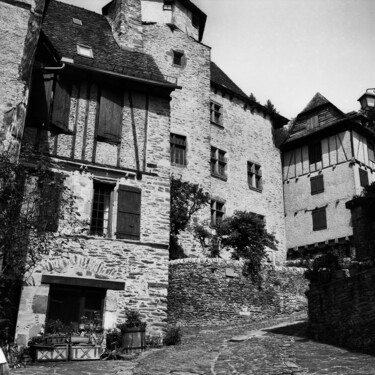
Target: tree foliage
point(271, 107)
point(252, 97)
point(32, 201)
point(186, 200)
point(246, 234)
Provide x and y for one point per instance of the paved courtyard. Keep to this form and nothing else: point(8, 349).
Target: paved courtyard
point(268, 348)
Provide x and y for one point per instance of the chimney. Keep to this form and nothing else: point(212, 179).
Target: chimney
point(125, 18)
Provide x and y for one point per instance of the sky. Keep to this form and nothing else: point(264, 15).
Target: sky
point(288, 50)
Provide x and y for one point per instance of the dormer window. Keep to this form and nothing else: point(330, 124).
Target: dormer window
point(84, 51)
point(167, 5)
point(177, 57)
point(77, 21)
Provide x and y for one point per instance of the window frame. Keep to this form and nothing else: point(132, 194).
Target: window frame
point(219, 163)
point(215, 210)
point(81, 48)
point(175, 146)
point(168, 5)
point(254, 176)
point(216, 115)
point(177, 58)
point(319, 219)
point(315, 154)
point(317, 184)
point(109, 190)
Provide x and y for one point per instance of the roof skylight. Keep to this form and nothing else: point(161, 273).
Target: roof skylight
point(77, 21)
point(84, 51)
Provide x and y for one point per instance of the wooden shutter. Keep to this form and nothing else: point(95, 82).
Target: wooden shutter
point(363, 177)
point(129, 213)
point(319, 218)
point(371, 151)
point(40, 99)
point(317, 184)
point(110, 115)
point(61, 103)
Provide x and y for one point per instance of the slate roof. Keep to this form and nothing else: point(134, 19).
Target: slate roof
point(219, 78)
point(96, 33)
point(317, 101)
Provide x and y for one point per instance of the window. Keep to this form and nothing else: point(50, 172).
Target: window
point(177, 58)
point(363, 177)
point(217, 211)
point(77, 21)
point(49, 101)
point(254, 176)
point(313, 122)
point(101, 209)
point(216, 112)
point(178, 149)
point(84, 51)
point(110, 115)
point(167, 5)
point(317, 184)
point(129, 213)
point(371, 151)
point(218, 163)
point(319, 218)
point(315, 153)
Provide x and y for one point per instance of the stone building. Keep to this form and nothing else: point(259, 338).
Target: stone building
point(20, 23)
point(327, 159)
point(119, 102)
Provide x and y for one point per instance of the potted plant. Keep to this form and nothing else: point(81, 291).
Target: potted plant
point(133, 332)
point(55, 332)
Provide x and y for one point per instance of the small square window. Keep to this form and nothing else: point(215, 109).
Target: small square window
point(217, 211)
point(319, 218)
point(77, 21)
point(167, 4)
point(177, 58)
point(254, 176)
point(216, 113)
point(178, 149)
point(84, 51)
point(317, 184)
point(218, 163)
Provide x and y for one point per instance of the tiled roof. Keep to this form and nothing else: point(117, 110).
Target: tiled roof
point(96, 33)
point(319, 114)
point(315, 102)
point(220, 78)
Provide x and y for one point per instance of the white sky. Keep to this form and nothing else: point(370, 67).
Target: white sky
point(287, 50)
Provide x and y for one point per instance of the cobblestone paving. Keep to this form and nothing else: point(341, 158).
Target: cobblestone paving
point(231, 350)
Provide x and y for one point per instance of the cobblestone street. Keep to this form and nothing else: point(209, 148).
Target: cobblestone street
point(269, 348)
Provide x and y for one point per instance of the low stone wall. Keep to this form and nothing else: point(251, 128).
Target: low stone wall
point(341, 306)
point(213, 291)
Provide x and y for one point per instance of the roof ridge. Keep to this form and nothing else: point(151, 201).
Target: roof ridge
point(317, 100)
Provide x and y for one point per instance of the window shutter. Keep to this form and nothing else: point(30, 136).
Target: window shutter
point(40, 99)
point(317, 184)
point(61, 103)
point(371, 151)
point(319, 219)
point(363, 177)
point(110, 115)
point(129, 213)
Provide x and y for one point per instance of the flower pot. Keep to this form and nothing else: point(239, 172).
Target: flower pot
point(55, 340)
point(133, 340)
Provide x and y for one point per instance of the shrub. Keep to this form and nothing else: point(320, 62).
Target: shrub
point(133, 320)
point(172, 335)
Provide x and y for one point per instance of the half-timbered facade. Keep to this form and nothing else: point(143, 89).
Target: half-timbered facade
point(327, 159)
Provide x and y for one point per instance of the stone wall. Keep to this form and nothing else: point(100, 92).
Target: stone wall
point(341, 306)
point(213, 291)
point(20, 23)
